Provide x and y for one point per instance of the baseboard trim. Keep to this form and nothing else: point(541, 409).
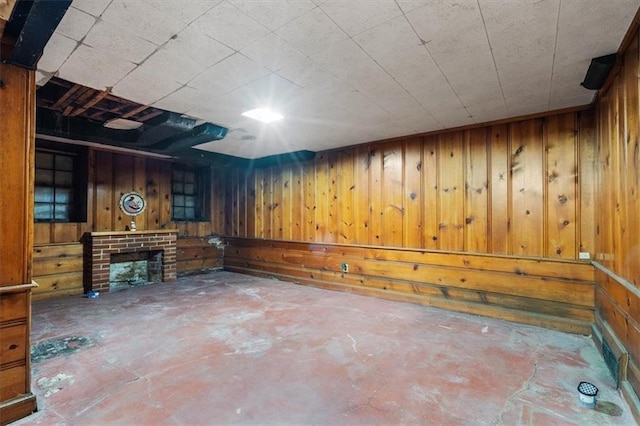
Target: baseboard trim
point(17, 408)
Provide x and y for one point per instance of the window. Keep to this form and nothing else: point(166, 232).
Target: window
point(190, 194)
point(60, 186)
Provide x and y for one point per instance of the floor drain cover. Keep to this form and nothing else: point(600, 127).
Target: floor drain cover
point(55, 347)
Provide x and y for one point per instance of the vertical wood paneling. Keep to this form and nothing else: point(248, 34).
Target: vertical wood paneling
point(297, 202)
point(251, 205)
point(103, 201)
point(152, 192)
point(333, 212)
point(500, 189)
point(392, 195)
point(476, 192)
point(123, 182)
point(430, 215)
point(527, 188)
point(217, 202)
point(277, 208)
point(322, 197)
point(242, 203)
point(361, 208)
point(562, 175)
point(587, 181)
point(165, 195)
point(285, 226)
point(375, 195)
point(413, 194)
point(631, 170)
point(451, 191)
point(260, 203)
point(309, 208)
point(139, 185)
point(345, 198)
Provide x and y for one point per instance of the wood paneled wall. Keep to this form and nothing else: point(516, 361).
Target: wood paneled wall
point(551, 293)
point(513, 188)
point(17, 106)
point(58, 251)
point(618, 212)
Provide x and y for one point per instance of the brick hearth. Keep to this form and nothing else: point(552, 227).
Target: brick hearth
point(99, 246)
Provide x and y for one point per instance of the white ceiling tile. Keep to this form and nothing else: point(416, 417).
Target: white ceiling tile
point(145, 86)
point(56, 52)
point(182, 100)
point(119, 42)
point(271, 91)
point(156, 26)
point(273, 52)
point(231, 73)
point(350, 63)
point(198, 47)
point(230, 26)
point(94, 68)
point(355, 17)
point(312, 32)
point(274, 14)
point(92, 7)
point(75, 24)
point(377, 43)
point(184, 10)
point(305, 73)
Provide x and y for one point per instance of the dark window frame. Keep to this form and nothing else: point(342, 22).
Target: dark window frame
point(190, 193)
point(49, 177)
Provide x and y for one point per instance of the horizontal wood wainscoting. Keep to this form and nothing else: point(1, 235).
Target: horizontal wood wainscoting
point(197, 254)
point(618, 324)
point(57, 268)
point(557, 294)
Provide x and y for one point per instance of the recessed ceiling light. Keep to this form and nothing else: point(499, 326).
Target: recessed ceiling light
point(264, 115)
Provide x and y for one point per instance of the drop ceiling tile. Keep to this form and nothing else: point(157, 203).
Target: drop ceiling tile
point(186, 56)
point(156, 27)
point(119, 42)
point(356, 17)
point(145, 86)
point(182, 100)
point(92, 7)
point(186, 11)
point(75, 24)
point(346, 60)
point(312, 32)
point(305, 73)
point(94, 68)
point(444, 19)
point(274, 14)
point(379, 45)
point(270, 91)
point(56, 52)
point(273, 52)
point(231, 73)
point(230, 26)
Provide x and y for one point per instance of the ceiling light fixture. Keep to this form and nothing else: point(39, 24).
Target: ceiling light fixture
point(264, 115)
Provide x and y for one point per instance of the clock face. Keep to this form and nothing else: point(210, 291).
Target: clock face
point(132, 203)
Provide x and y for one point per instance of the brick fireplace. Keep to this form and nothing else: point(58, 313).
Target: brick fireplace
point(99, 246)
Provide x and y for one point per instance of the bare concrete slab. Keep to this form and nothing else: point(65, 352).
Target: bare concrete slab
point(227, 348)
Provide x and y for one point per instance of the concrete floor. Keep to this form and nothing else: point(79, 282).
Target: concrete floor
point(226, 348)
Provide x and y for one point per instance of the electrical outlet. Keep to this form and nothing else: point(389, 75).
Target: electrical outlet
point(584, 255)
point(345, 267)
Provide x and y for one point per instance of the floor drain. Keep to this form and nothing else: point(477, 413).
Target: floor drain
point(56, 347)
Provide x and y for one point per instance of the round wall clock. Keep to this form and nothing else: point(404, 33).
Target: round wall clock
point(132, 203)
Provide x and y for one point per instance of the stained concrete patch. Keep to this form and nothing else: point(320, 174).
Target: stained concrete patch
point(609, 408)
point(56, 347)
point(55, 384)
